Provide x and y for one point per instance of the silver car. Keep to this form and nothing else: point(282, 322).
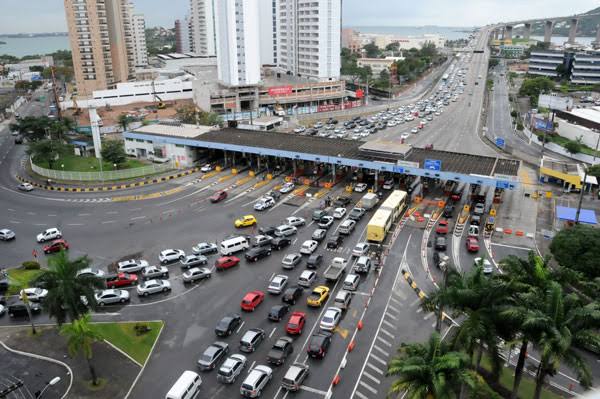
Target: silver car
point(151, 272)
point(196, 273)
point(205, 248)
point(153, 287)
point(132, 265)
point(6, 234)
point(231, 368)
point(106, 297)
point(193, 260)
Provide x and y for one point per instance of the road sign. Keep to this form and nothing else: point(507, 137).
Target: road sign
point(398, 169)
point(433, 164)
point(502, 184)
point(500, 142)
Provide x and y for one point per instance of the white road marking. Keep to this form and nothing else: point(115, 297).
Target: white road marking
point(387, 333)
point(387, 323)
point(313, 390)
point(272, 332)
point(109, 221)
point(428, 316)
point(511, 246)
point(52, 215)
point(74, 224)
point(377, 380)
point(387, 343)
point(14, 222)
point(138, 218)
point(419, 310)
point(380, 360)
point(378, 370)
point(368, 387)
point(240, 327)
point(169, 211)
point(40, 224)
point(84, 214)
point(251, 366)
point(360, 395)
point(391, 316)
point(413, 303)
point(112, 212)
point(397, 301)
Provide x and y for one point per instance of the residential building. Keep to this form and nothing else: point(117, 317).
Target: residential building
point(202, 27)
point(97, 34)
point(138, 30)
point(585, 68)
point(544, 62)
point(309, 38)
point(268, 31)
point(238, 43)
point(183, 40)
point(404, 42)
point(511, 51)
point(378, 64)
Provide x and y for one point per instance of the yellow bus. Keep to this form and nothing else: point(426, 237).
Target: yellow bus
point(386, 215)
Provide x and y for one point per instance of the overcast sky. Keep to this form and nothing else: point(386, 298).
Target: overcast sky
point(48, 15)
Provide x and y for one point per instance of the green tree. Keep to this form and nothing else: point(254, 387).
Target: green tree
point(594, 170)
point(371, 50)
point(124, 120)
point(47, 151)
point(113, 151)
point(32, 128)
point(533, 87)
point(80, 338)
point(578, 248)
point(191, 115)
point(66, 288)
point(433, 370)
point(394, 46)
point(573, 147)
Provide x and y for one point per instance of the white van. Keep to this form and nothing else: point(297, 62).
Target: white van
point(233, 245)
point(186, 387)
point(351, 282)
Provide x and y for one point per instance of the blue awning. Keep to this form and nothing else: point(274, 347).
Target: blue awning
point(587, 216)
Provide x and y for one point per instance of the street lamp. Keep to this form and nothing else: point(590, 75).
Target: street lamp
point(50, 383)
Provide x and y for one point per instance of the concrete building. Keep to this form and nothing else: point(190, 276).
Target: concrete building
point(202, 27)
point(183, 40)
point(511, 51)
point(377, 64)
point(309, 42)
point(138, 30)
point(97, 39)
point(268, 31)
point(544, 63)
point(238, 43)
point(585, 68)
point(405, 42)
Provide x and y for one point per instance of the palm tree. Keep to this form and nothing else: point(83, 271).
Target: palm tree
point(66, 289)
point(433, 370)
point(80, 337)
point(570, 324)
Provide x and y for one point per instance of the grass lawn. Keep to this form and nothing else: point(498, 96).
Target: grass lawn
point(19, 279)
point(527, 386)
point(88, 164)
point(563, 140)
point(123, 336)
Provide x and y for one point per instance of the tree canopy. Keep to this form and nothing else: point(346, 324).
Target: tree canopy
point(114, 151)
point(192, 115)
point(578, 248)
point(533, 87)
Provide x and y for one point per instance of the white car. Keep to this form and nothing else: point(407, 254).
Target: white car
point(295, 221)
point(153, 287)
point(485, 264)
point(290, 261)
point(330, 319)
point(360, 249)
point(307, 278)
point(299, 129)
point(132, 265)
point(25, 187)
point(360, 187)
point(2, 310)
point(308, 247)
point(151, 272)
point(6, 235)
point(287, 187)
point(339, 213)
point(196, 273)
point(205, 248)
point(277, 284)
point(106, 297)
point(206, 168)
point(414, 130)
point(89, 272)
point(34, 294)
point(264, 203)
point(49, 234)
point(231, 368)
point(171, 255)
point(404, 136)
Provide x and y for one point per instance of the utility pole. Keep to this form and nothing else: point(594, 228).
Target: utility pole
point(55, 91)
point(581, 196)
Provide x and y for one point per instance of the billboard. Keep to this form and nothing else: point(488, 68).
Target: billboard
point(555, 102)
point(280, 91)
point(543, 124)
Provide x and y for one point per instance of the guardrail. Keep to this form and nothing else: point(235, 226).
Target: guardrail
point(102, 176)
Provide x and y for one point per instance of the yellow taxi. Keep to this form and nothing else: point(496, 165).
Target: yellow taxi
point(245, 221)
point(318, 296)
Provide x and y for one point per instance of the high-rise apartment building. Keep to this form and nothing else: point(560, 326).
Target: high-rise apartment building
point(97, 34)
point(183, 35)
point(238, 43)
point(267, 11)
point(309, 37)
point(202, 26)
point(138, 31)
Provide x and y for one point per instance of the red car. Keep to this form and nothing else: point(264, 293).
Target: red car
point(252, 300)
point(121, 280)
point(472, 244)
point(56, 246)
point(226, 262)
point(442, 227)
point(296, 323)
point(218, 196)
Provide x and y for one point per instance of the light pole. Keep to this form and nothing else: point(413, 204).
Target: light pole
point(50, 383)
point(581, 196)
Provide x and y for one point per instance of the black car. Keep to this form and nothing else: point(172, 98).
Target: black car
point(475, 220)
point(342, 200)
point(335, 241)
point(291, 294)
point(440, 243)
point(314, 261)
point(319, 344)
point(281, 349)
point(3, 281)
point(279, 243)
point(212, 355)
point(267, 231)
point(448, 211)
point(332, 121)
point(227, 325)
point(256, 253)
point(19, 309)
point(277, 312)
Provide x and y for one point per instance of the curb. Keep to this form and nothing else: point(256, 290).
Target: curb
point(107, 188)
point(147, 360)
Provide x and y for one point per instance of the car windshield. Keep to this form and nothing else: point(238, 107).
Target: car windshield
point(328, 319)
point(226, 372)
point(206, 358)
point(293, 325)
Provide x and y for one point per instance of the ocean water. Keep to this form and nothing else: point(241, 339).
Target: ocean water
point(450, 33)
point(22, 46)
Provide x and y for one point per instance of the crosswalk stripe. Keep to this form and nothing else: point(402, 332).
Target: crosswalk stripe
point(375, 368)
point(377, 380)
point(368, 387)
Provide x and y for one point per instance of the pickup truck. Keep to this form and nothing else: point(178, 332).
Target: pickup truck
point(280, 351)
point(335, 269)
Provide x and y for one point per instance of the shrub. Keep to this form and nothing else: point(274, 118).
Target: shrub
point(513, 113)
point(31, 265)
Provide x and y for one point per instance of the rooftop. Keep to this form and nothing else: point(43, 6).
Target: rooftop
point(592, 114)
point(174, 130)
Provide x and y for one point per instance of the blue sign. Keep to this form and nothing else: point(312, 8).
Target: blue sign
point(543, 124)
point(502, 184)
point(433, 164)
point(398, 169)
point(500, 142)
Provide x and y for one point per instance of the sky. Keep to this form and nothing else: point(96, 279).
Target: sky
point(20, 16)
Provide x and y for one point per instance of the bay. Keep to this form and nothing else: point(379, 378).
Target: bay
point(41, 45)
point(449, 32)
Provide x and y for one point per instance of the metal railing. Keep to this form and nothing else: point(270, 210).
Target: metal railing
point(102, 176)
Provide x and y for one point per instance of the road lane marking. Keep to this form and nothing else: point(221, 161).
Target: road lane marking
point(84, 214)
point(112, 212)
point(391, 316)
point(240, 327)
point(74, 224)
point(138, 218)
point(393, 308)
point(428, 316)
point(368, 387)
point(387, 323)
point(109, 221)
point(376, 369)
point(387, 343)
point(387, 333)
point(419, 310)
point(251, 366)
point(40, 224)
point(272, 332)
point(413, 303)
point(52, 215)
point(380, 360)
point(313, 390)
point(360, 395)
point(169, 211)
point(377, 380)
point(397, 301)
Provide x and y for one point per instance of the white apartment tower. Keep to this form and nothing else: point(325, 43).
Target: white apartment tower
point(309, 34)
point(138, 32)
point(267, 10)
point(202, 26)
point(238, 42)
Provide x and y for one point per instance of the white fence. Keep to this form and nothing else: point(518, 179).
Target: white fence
point(561, 150)
point(102, 176)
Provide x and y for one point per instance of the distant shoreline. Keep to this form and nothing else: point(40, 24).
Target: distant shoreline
point(1, 42)
point(30, 35)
